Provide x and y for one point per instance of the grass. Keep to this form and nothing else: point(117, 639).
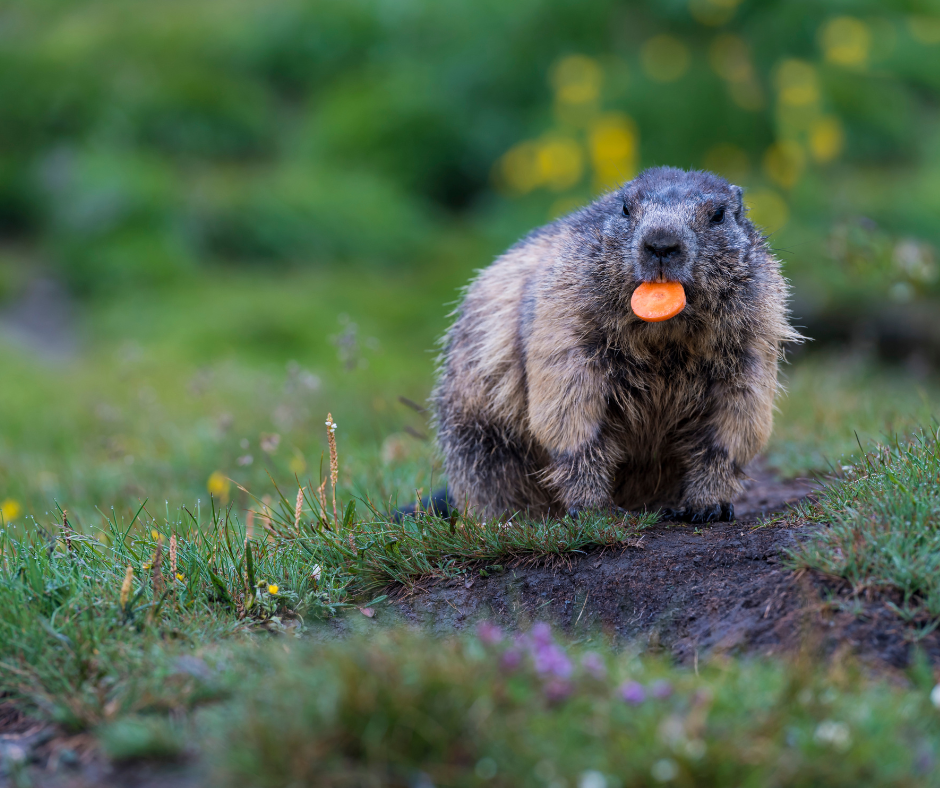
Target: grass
point(882, 526)
point(138, 438)
point(836, 400)
point(403, 710)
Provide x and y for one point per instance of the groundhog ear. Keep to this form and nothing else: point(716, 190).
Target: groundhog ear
point(738, 193)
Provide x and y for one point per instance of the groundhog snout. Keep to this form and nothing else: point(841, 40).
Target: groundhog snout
point(663, 256)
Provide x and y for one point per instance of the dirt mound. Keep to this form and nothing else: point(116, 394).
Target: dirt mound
point(687, 590)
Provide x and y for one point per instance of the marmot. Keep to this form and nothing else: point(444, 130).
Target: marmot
point(553, 397)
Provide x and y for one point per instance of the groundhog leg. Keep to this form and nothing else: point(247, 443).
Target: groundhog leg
point(709, 486)
point(584, 476)
point(569, 417)
point(737, 429)
point(490, 471)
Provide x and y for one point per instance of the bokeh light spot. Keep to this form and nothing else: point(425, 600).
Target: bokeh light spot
point(577, 79)
point(796, 83)
point(826, 139)
point(767, 209)
point(518, 169)
point(560, 162)
point(10, 510)
point(713, 12)
point(730, 57)
point(784, 162)
point(219, 486)
point(845, 41)
point(664, 58)
point(924, 29)
point(613, 146)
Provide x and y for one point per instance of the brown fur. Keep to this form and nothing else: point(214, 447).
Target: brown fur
point(553, 396)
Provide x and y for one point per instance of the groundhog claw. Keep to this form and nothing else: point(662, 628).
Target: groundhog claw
point(719, 513)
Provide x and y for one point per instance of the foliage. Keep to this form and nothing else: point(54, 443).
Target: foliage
point(374, 551)
point(136, 145)
point(401, 710)
point(835, 400)
point(882, 526)
point(84, 615)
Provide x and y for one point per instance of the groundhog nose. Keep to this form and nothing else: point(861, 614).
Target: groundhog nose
point(663, 245)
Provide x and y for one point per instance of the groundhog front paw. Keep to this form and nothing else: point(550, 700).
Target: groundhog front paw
point(718, 513)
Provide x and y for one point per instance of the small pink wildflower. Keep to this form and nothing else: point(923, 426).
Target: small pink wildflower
point(594, 665)
point(632, 692)
point(541, 634)
point(489, 633)
point(661, 689)
point(556, 690)
point(552, 660)
point(511, 659)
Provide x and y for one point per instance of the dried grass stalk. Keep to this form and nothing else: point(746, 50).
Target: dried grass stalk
point(156, 570)
point(334, 461)
point(174, 570)
point(321, 497)
point(298, 509)
point(126, 586)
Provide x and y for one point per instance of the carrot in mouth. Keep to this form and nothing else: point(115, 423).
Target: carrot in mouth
point(658, 301)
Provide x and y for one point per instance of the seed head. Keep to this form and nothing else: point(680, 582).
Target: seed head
point(126, 586)
point(298, 509)
point(173, 556)
point(334, 462)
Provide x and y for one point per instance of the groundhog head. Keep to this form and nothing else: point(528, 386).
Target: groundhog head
point(677, 226)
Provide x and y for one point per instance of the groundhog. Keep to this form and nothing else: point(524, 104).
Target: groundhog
point(553, 397)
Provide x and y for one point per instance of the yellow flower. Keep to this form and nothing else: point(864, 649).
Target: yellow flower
point(272, 589)
point(219, 486)
point(10, 510)
point(155, 534)
point(179, 576)
point(846, 41)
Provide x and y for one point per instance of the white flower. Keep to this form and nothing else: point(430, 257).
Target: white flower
point(592, 779)
point(935, 696)
point(836, 734)
point(665, 770)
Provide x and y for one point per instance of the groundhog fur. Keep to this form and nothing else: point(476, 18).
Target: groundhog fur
point(554, 397)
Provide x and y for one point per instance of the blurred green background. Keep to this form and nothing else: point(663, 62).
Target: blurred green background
point(221, 219)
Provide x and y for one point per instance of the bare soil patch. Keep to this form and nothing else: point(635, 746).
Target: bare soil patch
point(689, 591)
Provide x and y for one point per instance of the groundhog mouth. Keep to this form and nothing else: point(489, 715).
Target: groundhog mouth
point(658, 301)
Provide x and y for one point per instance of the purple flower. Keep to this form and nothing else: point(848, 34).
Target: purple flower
point(661, 689)
point(632, 692)
point(557, 690)
point(594, 665)
point(542, 634)
point(511, 659)
point(489, 633)
point(552, 660)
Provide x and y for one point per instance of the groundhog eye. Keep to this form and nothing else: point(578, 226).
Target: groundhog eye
point(718, 216)
point(626, 211)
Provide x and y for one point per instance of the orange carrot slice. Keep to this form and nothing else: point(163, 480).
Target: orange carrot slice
point(655, 302)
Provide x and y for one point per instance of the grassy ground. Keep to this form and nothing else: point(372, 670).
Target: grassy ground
point(155, 599)
point(882, 532)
